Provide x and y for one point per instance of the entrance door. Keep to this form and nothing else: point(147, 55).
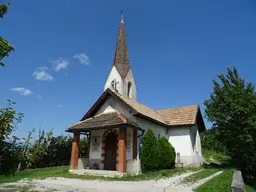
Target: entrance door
point(110, 152)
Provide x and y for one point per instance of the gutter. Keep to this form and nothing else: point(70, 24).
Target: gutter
point(138, 148)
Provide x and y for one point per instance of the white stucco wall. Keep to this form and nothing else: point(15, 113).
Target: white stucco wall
point(129, 152)
point(96, 154)
point(108, 106)
point(122, 85)
point(180, 139)
point(115, 75)
point(196, 154)
point(130, 78)
point(186, 141)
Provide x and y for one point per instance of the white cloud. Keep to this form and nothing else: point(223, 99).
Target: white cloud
point(59, 106)
point(42, 75)
point(21, 90)
point(60, 63)
point(82, 58)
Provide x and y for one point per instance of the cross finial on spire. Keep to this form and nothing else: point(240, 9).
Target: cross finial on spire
point(122, 17)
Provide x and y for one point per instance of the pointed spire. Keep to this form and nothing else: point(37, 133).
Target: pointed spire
point(122, 17)
point(121, 59)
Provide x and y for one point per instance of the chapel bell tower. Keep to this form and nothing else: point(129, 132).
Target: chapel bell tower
point(121, 78)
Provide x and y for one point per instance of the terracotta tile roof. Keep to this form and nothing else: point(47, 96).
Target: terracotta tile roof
point(140, 108)
point(189, 115)
point(103, 120)
point(180, 116)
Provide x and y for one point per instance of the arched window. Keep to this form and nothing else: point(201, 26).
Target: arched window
point(129, 94)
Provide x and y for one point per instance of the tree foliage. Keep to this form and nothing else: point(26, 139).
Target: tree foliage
point(149, 152)
point(156, 154)
point(9, 150)
point(3, 9)
point(49, 151)
point(43, 150)
point(166, 154)
point(8, 120)
point(232, 109)
point(5, 47)
point(210, 141)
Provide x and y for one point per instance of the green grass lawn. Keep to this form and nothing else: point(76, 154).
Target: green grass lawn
point(215, 157)
point(63, 172)
point(221, 183)
point(248, 188)
point(200, 175)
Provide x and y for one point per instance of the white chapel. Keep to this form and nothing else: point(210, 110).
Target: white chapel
point(116, 124)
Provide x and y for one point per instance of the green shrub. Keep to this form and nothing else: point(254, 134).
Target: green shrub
point(166, 154)
point(149, 152)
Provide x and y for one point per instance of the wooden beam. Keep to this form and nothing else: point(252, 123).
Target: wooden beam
point(122, 150)
point(75, 151)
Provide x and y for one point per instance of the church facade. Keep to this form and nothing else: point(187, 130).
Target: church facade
point(117, 123)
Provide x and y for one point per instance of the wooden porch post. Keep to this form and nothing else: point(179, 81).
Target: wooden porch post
point(75, 151)
point(134, 144)
point(122, 150)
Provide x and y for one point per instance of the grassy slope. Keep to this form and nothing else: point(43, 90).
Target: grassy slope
point(200, 175)
point(215, 157)
point(63, 172)
point(221, 183)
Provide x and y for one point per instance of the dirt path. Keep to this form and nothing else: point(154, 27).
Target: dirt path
point(71, 185)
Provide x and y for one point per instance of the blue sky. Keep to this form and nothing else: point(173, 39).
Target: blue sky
point(65, 49)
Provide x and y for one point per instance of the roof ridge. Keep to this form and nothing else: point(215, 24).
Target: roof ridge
point(92, 117)
point(195, 105)
point(125, 99)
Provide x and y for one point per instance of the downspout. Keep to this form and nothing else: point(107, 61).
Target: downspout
point(138, 150)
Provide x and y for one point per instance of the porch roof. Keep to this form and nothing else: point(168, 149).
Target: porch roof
point(103, 121)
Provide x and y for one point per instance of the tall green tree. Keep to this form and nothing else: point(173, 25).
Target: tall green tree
point(149, 152)
point(167, 154)
point(232, 109)
point(5, 47)
point(209, 141)
point(9, 118)
point(9, 151)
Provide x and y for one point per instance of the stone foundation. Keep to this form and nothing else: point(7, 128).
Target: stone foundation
point(132, 166)
point(95, 164)
point(103, 173)
point(83, 163)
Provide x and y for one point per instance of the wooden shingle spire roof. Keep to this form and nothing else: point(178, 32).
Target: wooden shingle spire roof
point(121, 59)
